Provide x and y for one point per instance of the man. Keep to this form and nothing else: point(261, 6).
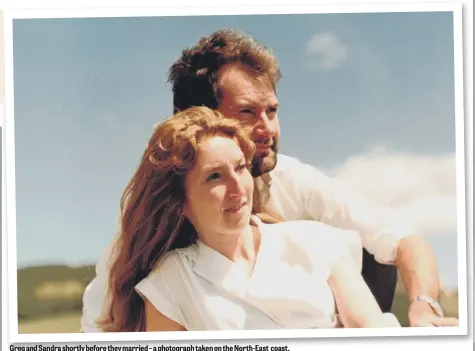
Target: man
point(237, 75)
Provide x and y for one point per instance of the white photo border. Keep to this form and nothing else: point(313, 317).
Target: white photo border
point(9, 221)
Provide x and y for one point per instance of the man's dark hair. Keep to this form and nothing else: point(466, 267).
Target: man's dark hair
point(194, 76)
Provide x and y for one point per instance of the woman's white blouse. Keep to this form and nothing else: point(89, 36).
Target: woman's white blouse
point(288, 288)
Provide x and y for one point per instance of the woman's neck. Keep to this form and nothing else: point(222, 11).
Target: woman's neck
point(242, 246)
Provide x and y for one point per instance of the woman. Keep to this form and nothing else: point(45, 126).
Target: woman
point(193, 254)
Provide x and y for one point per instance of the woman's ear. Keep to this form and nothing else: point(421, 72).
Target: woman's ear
point(188, 215)
point(186, 211)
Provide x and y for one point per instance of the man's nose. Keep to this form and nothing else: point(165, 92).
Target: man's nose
point(264, 126)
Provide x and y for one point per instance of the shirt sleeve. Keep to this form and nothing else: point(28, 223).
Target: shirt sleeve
point(156, 289)
point(328, 201)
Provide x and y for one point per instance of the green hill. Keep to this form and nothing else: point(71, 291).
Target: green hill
point(50, 298)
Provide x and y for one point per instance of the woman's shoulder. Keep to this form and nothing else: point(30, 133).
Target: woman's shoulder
point(173, 262)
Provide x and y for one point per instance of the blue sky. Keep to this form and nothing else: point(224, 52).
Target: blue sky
point(88, 91)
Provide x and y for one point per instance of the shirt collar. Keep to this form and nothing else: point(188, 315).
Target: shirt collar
point(210, 264)
point(266, 178)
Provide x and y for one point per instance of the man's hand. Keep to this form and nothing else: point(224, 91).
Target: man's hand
point(422, 315)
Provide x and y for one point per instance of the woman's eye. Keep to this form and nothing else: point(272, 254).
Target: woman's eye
point(212, 177)
point(242, 166)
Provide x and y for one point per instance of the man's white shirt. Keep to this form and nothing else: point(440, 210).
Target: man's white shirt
point(296, 191)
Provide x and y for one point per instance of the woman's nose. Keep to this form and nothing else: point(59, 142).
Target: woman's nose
point(236, 186)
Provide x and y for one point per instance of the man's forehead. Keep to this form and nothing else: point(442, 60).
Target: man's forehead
point(235, 80)
point(247, 91)
point(249, 99)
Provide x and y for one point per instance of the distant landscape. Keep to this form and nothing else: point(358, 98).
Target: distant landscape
point(50, 299)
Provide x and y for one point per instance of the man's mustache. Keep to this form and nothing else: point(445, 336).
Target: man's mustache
point(274, 145)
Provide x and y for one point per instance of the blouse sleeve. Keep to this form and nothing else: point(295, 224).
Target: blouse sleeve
point(156, 288)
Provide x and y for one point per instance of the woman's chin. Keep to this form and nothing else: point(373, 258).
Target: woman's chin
point(237, 221)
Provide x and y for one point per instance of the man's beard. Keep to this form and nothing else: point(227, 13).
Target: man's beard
point(264, 164)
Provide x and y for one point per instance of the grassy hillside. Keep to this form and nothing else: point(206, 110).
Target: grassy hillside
point(51, 290)
point(50, 299)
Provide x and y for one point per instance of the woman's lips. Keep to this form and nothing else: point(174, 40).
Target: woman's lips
point(235, 209)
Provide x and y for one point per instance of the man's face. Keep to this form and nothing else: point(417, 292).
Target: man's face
point(254, 102)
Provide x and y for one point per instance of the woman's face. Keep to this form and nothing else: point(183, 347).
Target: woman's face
point(219, 188)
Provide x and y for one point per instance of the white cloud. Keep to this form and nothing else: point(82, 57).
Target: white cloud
point(420, 188)
point(326, 51)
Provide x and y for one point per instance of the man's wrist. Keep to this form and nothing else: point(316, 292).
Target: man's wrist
point(423, 303)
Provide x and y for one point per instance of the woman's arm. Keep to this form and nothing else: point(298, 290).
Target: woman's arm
point(356, 304)
point(156, 321)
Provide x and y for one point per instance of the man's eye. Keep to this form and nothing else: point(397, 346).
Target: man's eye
point(247, 111)
point(272, 112)
point(212, 177)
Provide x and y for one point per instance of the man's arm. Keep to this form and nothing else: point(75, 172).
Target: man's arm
point(417, 266)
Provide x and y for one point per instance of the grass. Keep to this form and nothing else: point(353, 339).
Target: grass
point(65, 323)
